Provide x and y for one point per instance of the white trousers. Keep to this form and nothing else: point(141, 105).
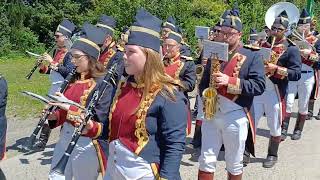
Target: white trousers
point(269, 104)
point(304, 88)
point(200, 115)
point(230, 129)
point(125, 165)
point(56, 81)
point(83, 162)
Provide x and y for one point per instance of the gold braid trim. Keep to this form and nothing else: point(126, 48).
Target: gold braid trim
point(114, 102)
point(72, 115)
point(111, 52)
point(141, 130)
point(180, 66)
point(84, 97)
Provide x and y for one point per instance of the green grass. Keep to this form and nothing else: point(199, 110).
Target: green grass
point(14, 68)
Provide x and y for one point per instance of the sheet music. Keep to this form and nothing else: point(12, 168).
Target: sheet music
point(265, 53)
point(211, 47)
point(202, 32)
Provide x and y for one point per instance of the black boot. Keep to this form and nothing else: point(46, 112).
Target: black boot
point(272, 156)
point(298, 127)
point(40, 145)
point(318, 116)
point(310, 110)
point(246, 157)
point(196, 141)
point(284, 126)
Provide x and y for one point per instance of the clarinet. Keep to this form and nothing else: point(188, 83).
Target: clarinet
point(108, 80)
point(28, 76)
point(39, 61)
point(44, 117)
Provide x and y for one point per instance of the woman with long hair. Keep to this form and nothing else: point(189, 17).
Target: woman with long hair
point(86, 159)
point(146, 127)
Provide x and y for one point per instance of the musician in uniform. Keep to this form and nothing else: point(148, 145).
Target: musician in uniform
point(146, 127)
point(283, 66)
point(88, 157)
point(239, 80)
point(3, 120)
point(253, 41)
point(312, 36)
point(111, 52)
point(61, 63)
point(62, 36)
point(179, 67)
point(168, 26)
point(307, 82)
point(198, 113)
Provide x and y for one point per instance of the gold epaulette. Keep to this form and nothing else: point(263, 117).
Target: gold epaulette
point(120, 48)
point(250, 46)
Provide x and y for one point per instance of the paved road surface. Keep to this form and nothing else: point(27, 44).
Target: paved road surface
point(298, 160)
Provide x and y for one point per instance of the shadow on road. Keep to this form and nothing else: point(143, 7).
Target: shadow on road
point(17, 146)
point(257, 160)
point(263, 132)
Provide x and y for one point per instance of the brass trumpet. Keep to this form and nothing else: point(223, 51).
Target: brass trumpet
point(210, 93)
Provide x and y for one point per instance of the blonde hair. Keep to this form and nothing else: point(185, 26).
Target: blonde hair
point(154, 73)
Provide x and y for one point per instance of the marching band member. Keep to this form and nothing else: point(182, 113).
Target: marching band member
point(87, 159)
point(111, 52)
point(312, 37)
point(253, 43)
point(284, 66)
point(3, 121)
point(178, 67)
point(240, 79)
point(306, 83)
point(167, 27)
point(62, 36)
point(61, 63)
point(196, 140)
point(147, 121)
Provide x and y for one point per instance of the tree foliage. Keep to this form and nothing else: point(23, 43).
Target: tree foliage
point(30, 24)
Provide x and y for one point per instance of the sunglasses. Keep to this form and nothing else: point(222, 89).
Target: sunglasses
point(277, 29)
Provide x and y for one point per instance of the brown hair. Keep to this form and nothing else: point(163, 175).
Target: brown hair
point(154, 73)
point(96, 69)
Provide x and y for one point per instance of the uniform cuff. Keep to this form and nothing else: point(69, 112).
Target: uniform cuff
point(73, 113)
point(234, 86)
point(281, 72)
point(95, 131)
point(313, 57)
